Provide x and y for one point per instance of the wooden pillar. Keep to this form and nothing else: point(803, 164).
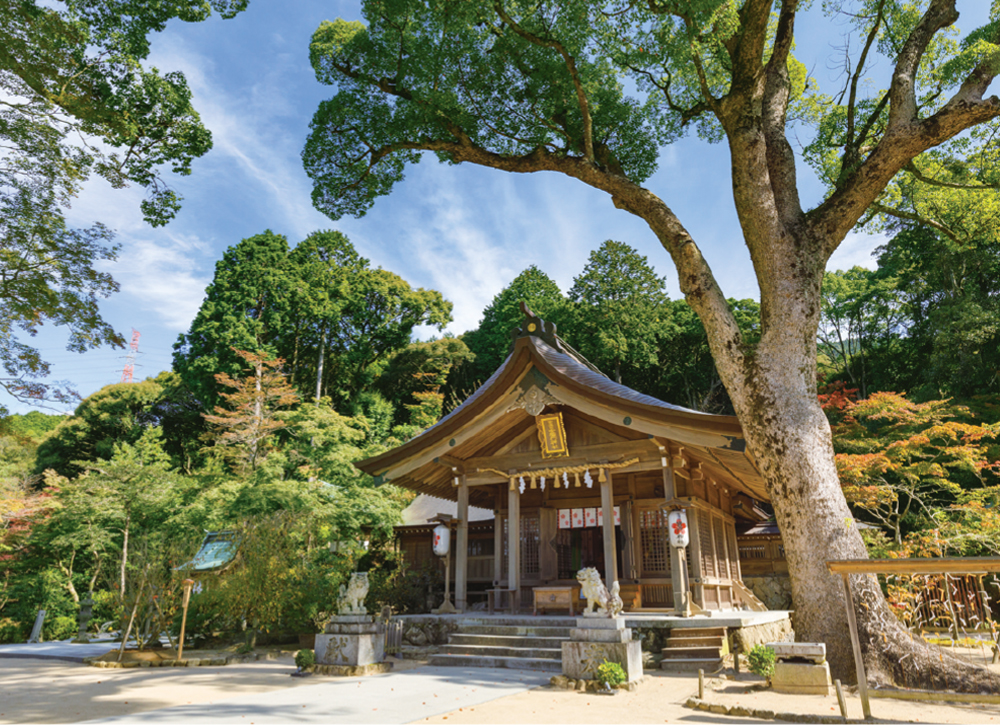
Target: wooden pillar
point(678, 564)
point(498, 520)
point(462, 546)
point(514, 545)
point(697, 573)
point(548, 557)
point(610, 550)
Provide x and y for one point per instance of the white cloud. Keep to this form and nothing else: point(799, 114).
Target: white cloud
point(856, 251)
point(161, 277)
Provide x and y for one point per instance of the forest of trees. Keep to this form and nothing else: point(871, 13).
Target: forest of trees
point(302, 360)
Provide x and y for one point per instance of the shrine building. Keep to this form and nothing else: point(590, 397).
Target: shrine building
point(581, 471)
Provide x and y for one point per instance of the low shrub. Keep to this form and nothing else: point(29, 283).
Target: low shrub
point(11, 631)
point(611, 672)
point(59, 628)
point(305, 658)
point(760, 660)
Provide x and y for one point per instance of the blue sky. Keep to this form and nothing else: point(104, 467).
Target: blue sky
point(462, 230)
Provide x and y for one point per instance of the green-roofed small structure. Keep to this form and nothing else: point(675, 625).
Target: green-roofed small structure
point(218, 551)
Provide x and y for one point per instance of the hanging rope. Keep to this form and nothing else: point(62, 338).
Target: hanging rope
point(544, 473)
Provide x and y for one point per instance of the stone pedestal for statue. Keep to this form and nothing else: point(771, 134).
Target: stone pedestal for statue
point(801, 668)
point(596, 639)
point(351, 645)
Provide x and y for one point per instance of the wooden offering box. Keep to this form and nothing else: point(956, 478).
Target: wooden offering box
point(556, 598)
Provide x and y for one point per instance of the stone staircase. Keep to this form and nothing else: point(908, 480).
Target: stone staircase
point(507, 643)
point(691, 649)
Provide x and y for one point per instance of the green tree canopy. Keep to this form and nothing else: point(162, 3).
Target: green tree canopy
point(76, 99)
point(620, 311)
point(862, 323)
point(491, 341)
point(421, 368)
point(245, 308)
point(114, 415)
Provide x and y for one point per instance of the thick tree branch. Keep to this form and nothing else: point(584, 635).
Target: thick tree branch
point(581, 94)
point(777, 92)
point(902, 91)
point(851, 146)
point(748, 54)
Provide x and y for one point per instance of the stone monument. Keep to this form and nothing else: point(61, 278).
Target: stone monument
point(600, 634)
point(352, 643)
point(801, 668)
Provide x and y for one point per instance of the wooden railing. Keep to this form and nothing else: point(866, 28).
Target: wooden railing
point(950, 565)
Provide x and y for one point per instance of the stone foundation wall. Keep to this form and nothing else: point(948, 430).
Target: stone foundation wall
point(423, 632)
point(774, 590)
point(744, 639)
point(651, 638)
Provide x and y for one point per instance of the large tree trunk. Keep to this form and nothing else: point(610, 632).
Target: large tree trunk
point(773, 388)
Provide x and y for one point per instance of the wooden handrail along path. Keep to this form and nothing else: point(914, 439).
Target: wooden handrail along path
point(945, 565)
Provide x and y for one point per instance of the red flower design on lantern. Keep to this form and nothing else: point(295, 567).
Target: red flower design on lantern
point(679, 527)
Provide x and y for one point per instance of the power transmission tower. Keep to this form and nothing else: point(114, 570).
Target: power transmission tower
point(130, 358)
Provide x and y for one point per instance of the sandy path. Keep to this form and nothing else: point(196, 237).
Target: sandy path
point(661, 697)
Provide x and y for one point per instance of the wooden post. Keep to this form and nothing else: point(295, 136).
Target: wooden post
point(840, 699)
point(610, 550)
point(462, 546)
point(514, 547)
point(694, 531)
point(678, 562)
point(548, 529)
point(951, 608)
point(859, 664)
point(187, 584)
point(498, 520)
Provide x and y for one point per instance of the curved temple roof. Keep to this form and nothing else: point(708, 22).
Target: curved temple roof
point(543, 369)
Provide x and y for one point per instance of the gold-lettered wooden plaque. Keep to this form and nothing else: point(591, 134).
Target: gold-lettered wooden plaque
point(552, 435)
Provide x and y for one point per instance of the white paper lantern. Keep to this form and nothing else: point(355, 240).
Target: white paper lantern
point(442, 540)
point(677, 526)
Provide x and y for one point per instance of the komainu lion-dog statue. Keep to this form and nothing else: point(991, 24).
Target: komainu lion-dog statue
point(598, 595)
point(352, 597)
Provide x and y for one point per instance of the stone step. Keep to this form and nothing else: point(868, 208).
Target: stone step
point(680, 653)
point(698, 631)
point(495, 640)
point(510, 620)
point(516, 630)
point(695, 642)
point(513, 663)
point(691, 665)
point(542, 653)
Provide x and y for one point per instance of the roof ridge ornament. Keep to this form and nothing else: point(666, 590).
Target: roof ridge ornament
point(535, 326)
